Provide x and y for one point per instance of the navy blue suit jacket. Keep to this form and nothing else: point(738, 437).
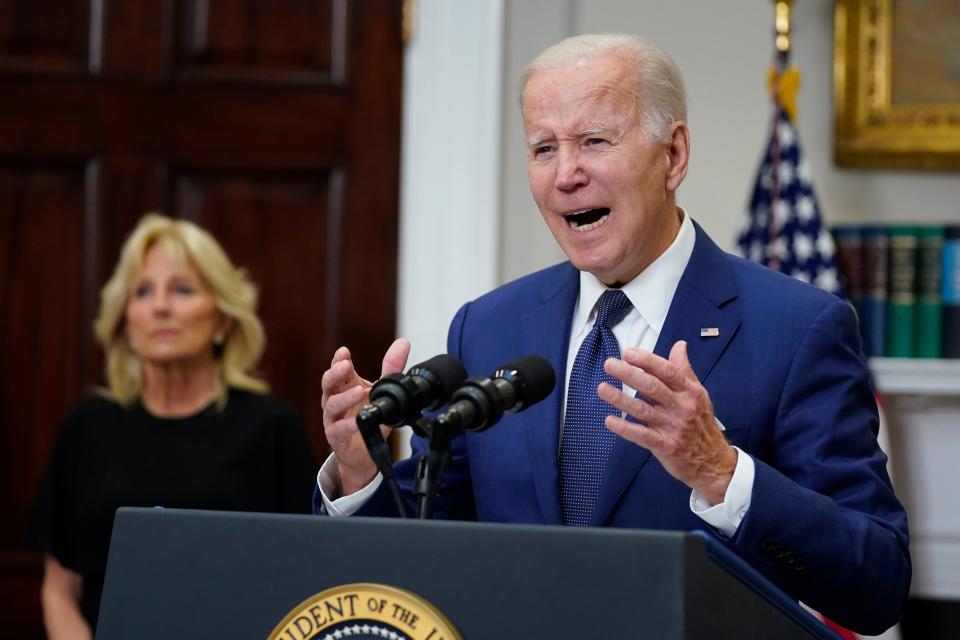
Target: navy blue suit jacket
point(787, 379)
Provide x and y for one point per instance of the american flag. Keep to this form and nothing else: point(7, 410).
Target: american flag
point(785, 231)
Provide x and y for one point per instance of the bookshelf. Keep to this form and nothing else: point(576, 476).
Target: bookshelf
point(909, 376)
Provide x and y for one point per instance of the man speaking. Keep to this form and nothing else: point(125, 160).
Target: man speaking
point(700, 390)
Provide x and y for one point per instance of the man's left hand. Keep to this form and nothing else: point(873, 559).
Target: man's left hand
point(677, 421)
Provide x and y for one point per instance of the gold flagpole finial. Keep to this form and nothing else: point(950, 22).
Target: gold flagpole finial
point(783, 25)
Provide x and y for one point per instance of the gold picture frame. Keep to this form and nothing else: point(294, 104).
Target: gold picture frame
point(896, 78)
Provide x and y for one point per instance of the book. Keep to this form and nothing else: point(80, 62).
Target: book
point(849, 242)
point(927, 342)
point(873, 311)
point(950, 288)
point(902, 290)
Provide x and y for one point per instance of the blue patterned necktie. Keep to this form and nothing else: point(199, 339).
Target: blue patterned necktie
point(586, 443)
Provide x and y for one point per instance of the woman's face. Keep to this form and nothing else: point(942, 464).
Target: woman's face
point(171, 315)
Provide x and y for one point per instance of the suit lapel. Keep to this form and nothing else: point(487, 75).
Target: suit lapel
point(706, 285)
point(546, 331)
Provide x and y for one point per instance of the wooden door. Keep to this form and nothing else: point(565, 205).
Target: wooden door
point(274, 123)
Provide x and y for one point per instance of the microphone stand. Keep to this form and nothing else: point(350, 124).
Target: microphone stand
point(432, 463)
point(369, 427)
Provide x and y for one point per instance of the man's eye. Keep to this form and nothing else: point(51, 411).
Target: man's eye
point(595, 141)
point(542, 150)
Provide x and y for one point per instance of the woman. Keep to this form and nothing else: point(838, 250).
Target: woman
point(185, 421)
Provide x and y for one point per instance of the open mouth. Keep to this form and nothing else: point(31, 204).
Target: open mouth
point(588, 220)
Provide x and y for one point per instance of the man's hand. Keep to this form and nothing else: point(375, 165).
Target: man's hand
point(678, 424)
point(344, 394)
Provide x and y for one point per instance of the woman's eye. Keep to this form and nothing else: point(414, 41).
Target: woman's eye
point(141, 291)
point(183, 289)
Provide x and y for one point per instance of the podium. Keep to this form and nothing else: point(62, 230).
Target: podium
point(202, 574)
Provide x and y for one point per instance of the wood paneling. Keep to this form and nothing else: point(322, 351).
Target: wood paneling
point(274, 123)
point(287, 40)
point(46, 36)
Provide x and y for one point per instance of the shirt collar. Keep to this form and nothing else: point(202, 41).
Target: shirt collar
point(651, 292)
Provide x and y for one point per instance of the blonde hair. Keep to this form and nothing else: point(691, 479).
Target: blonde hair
point(663, 96)
point(235, 294)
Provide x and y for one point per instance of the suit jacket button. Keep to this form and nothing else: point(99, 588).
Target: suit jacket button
point(768, 544)
point(798, 564)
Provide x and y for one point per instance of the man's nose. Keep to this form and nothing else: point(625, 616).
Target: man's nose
point(570, 173)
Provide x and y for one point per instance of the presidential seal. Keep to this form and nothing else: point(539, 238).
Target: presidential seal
point(365, 611)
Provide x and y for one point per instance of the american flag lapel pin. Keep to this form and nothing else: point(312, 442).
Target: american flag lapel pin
point(709, 332)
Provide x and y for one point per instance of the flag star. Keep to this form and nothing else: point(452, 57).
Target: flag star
point(802, 247)
point(828, 280)
point(781, 212)
point(337, 634)
point(760, 214)
point(825, 244)
point(800, 274)
point(785, 135)
point(803, 171)
point(756, 251)
point(762, 219)
point(355, 628)
point(365, 629)
point(766, 178)
point(806, 208)
point(785, 173)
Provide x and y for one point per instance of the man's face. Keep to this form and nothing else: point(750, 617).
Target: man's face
point(604, 187)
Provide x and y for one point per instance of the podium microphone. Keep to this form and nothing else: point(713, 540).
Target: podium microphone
point(398, 398)
point(480, 402)
point(476, 406)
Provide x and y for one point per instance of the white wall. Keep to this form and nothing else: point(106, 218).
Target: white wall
point(450, 170)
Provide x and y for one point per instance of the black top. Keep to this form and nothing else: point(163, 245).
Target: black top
point(252, 456)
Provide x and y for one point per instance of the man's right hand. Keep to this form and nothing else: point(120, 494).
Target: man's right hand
point(344, 394)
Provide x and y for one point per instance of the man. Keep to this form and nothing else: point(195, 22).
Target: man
point(746, 403)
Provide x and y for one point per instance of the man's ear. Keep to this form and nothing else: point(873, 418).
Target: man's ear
point(678, 154)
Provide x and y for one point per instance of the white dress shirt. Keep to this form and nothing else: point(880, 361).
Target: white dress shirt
point(651, 294)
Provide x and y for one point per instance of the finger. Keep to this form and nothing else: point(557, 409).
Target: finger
point(662, 369)
point(636, 433)
point(343, 353)
point(631, 405)
point(395, 359)
point(680, 359)
point(338, 377)
point(650, 387)
point(339, 404)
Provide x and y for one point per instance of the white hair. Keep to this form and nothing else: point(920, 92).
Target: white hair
point(663, 97)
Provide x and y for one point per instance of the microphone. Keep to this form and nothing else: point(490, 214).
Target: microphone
point(476, 405)
point(398, 398)
point(480, 402)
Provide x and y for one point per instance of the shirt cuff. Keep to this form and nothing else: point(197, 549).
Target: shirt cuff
point(328, 481)
point(727, 516)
